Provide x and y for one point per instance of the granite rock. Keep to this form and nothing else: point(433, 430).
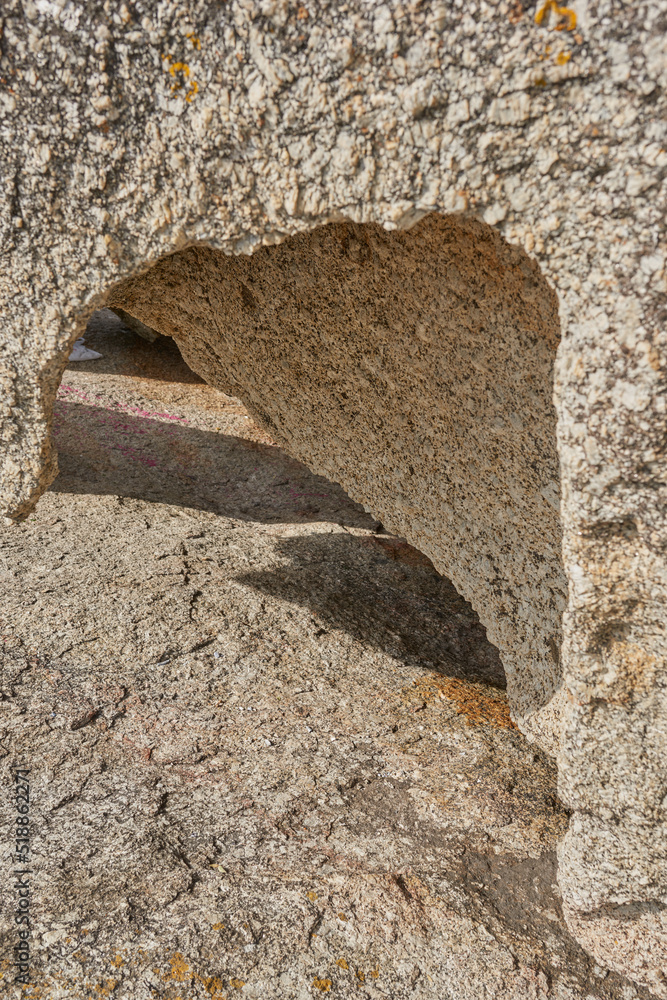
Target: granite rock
point(268, 743)
point(416, 369)
point(136, 131)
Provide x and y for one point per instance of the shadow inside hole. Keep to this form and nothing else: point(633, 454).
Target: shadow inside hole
point(377, 588)
point(124, 353)
point(384, 593)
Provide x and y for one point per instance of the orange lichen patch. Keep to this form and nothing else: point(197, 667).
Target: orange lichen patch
point(301, 13)
point(217, 927)
point(238, 984)
point(322, 984)
point(196, 44)
point(341, 916)
point(117, 961)
point(361, 976)
point(566, 17)
point(181, 971)
point(563, 57)
point(375, 973)
point(179, 68)
point(213, 987)
point(478, 706)
point(342, 964)
point(312, 896)
point(179, 968)
point(182, 70)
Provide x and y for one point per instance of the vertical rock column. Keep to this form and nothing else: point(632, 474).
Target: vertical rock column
point(611, 396)
point(35, 340)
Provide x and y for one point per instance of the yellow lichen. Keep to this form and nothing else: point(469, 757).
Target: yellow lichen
point(179, 968)
point(322, 984)
point(563, 57)
point(342, 963)
point(181, 69)
point(238, 984)
point(312, 896)
point(108, 987)
point(566, 17)
point(213, 987)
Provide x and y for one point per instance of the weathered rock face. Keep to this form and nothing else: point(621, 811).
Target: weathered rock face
point(323, 784)
point(417, 370)
point(131, 133)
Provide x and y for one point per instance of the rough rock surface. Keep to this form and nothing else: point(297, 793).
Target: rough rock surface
point(128, 132)
point(271, 754)
point(416, 369)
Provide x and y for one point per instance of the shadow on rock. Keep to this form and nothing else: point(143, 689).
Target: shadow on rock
point(383, 592)
point(125, 453)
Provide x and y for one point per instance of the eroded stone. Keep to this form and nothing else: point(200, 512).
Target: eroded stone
point(416, 369)
point(129, 134)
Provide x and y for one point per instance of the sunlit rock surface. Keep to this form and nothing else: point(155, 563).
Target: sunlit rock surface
point(134, 131)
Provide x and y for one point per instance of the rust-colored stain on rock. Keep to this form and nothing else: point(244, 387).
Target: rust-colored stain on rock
point(477, 706)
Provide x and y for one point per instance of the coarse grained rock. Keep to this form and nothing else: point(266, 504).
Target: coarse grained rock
point(416, 369)
point(132, 132)
point(136, 326)
point(268, 743)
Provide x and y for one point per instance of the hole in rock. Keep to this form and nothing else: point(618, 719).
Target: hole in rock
point(415, 368)
point(139, 423)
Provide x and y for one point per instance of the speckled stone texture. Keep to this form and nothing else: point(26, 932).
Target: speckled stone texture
point(132, 131)
point(416, 369)
point(271, 754)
